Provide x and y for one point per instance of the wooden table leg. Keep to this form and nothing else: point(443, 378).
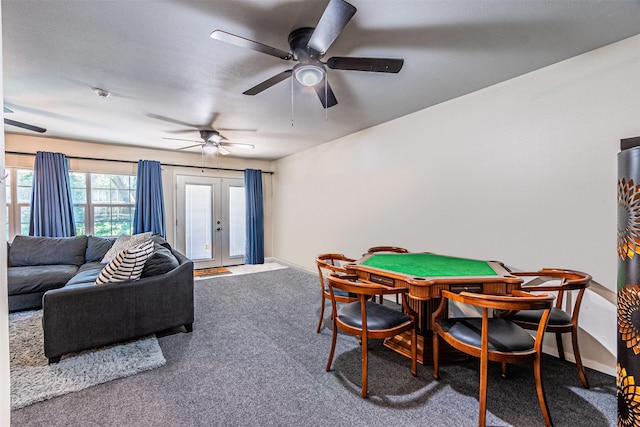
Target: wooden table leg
point(402, 344)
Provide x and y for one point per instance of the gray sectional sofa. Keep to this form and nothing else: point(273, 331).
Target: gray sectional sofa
point(58, 274)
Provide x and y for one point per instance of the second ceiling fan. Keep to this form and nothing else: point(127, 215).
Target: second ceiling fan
point(307, 47)
point(212, 141)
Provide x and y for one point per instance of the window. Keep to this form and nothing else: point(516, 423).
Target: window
point(18, 191)
point(112, 204)
point(103, 204)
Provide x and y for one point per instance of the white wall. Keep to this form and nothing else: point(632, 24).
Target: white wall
point(523, 172)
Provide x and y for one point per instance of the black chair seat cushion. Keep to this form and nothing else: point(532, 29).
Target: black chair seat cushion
point(504, 335)
point(556, 317)
point(379, 317)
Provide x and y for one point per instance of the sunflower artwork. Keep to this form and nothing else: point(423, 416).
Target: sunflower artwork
point(628, 323)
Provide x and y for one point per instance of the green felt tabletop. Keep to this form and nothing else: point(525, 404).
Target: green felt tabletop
point(430, 265)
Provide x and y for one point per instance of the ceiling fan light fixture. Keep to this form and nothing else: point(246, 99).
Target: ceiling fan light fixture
point(308, 74)
point(208, 147)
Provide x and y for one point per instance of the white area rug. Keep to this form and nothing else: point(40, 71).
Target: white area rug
point(34, 380)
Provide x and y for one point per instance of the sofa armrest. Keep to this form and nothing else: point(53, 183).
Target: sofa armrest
point(82, 317)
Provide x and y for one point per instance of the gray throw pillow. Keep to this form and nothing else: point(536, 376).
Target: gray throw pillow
point(123, 242)
point(162, 261)
point(161, 241)
point(97, 247)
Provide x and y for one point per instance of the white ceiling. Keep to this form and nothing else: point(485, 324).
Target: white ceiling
point(167, 77)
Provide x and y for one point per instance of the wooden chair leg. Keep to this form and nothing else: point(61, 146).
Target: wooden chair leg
point(505, 368)
point(334, 338)
point(365, 366)
point(484, 363)
point(576, 353)
point(436, 356)
point(537, 372)
point(321, 315)
point(560, 346)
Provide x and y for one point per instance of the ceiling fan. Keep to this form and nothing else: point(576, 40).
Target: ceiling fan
point(22, 125)
point(307, 47)
point(213, 142)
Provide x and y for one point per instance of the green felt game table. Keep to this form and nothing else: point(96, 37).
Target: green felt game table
point(426, 275)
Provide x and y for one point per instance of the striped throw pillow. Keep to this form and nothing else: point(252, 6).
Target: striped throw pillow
point(127, 265)
point(124, 242)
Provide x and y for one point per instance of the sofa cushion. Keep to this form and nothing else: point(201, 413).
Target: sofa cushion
point(30, 250)
point(97, 247)
point(38, 278)
point(87, 273)
point(124, 242)
point(162, 261)
point(127, 265)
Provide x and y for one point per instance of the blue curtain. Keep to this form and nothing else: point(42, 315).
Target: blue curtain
point(51, 204)
point(255, 216)
point(149, 208)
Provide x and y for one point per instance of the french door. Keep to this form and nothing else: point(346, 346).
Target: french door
point(210, 220)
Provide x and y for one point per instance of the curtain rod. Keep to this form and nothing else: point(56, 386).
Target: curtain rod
point(135, 162)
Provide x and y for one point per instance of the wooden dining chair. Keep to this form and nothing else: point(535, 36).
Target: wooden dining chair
point(493, 338)
point(391, 249)
point(561, 320)
point(328, 263)
point(369, 320)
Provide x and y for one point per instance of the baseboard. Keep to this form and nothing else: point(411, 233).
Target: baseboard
point(589, 363)
point(290, 265)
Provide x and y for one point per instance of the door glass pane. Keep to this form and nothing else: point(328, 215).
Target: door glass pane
point(198, 221)
point(237, 222)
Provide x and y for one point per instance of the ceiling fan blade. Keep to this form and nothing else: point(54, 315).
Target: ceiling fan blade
point(229, 38)
point(223, 150)
point(237, 145)
point(327, 99)
point(190, 146)
point(268, 83)
point(170, 120)
point(378, 65)
point(24, 126)
point(335, 17)
point(181, 139)
point(236, 130)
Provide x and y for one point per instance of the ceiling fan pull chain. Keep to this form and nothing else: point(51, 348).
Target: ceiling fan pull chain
point(291, 102)
point(326, 85)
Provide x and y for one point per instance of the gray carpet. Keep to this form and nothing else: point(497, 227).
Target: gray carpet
point(254, 359)
point(34, 380)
